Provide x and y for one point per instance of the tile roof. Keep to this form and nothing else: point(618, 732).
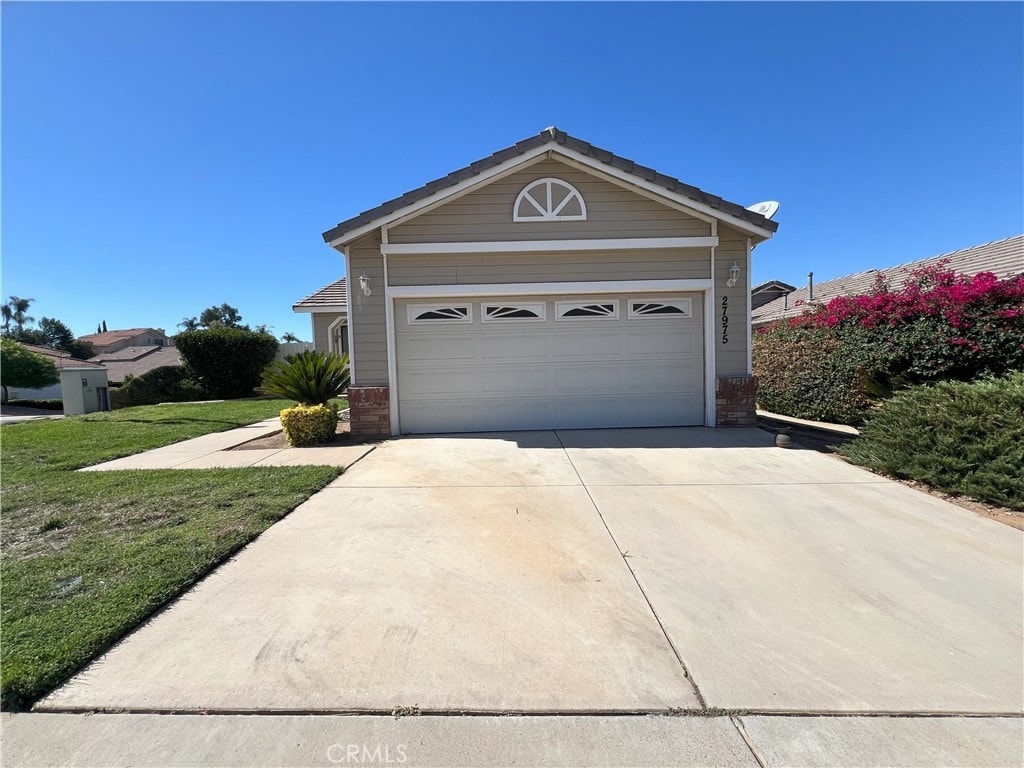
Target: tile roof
point(109, 337)
point(136, 361)
point(61, 358)
point(1004, 258)
point(332, 295)
point(549, 135)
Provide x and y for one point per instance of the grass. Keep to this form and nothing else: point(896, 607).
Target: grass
point(88, 556)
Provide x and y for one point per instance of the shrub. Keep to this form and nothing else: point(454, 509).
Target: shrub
point(166, 384)
point(226, 362)
point(309, 378)
point(46, 405)
point(938, 326)
point(965, 438)
point(309, 424)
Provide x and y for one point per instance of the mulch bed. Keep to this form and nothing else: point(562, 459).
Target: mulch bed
point(277, 440)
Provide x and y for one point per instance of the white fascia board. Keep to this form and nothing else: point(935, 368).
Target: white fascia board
point(322, 308)
point(541, 289)
point(446, 195)
point(550, 246)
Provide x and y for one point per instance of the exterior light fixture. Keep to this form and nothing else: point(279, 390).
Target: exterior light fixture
point(364, 283)
point(734, 275)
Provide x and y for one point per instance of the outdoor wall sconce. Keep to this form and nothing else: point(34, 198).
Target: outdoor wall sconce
point(734, 275)
point(364, 283)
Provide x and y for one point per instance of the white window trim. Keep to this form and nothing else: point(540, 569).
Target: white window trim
point(687, 309)
point(540, 307)
point(547, 213)
point(567, 305)
point(415, 309)
point(549, 246)
point(331, 329)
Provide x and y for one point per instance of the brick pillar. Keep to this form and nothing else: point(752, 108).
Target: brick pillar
point(369, 411)
point(736, 401)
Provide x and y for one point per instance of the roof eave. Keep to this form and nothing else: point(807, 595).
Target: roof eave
point(504, 161)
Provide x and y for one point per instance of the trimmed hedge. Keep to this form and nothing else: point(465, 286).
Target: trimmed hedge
point(309, 424)
point(166, 384)
point(227, 362)
point(962, 438)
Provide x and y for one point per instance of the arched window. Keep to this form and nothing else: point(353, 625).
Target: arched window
point(549, 200)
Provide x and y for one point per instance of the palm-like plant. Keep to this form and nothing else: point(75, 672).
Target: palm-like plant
point(19, 308)
point(309, 378)
point(189, 324)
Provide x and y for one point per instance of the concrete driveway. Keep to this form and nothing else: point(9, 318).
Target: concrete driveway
point(593, 571)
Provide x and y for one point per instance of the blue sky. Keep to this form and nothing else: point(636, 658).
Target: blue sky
point(160, 158)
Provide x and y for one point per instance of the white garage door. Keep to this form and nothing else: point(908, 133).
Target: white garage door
point(549, 362)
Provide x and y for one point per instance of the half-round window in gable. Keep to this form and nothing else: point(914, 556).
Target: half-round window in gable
point(549, 200)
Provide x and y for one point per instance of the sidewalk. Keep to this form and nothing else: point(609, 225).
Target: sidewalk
point(749, 741)
point(213, 451)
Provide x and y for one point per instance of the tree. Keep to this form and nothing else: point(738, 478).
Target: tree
point(290, 337)
point(227, 362)
point(224, 316)
point(19, 307)
point(189, 323)
point(104, 326)
point(56, 335)
point(21, 368)
point(8, 314)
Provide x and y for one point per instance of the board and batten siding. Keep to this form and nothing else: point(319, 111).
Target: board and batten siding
point(367, 313)
point(731, 357)
point(486, 214)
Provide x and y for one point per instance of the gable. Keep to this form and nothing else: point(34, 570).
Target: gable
point(487, 213)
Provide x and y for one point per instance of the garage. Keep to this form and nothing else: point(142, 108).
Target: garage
point(549, 362)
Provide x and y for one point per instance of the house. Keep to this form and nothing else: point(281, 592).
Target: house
point(765, 292)
point(135, 361)
point(111, 341)
point(83, 385)
point(132, 352)
point(1004, 258)
point(551, 285)
point(328, 314)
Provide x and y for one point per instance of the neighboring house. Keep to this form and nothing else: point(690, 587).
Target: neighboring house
point(328, 313)
point(765, 292)
point(111, 341)
point(1004, 258)
point(550, 285)
point(82, 387)
point(132, 351)
point(135, 361)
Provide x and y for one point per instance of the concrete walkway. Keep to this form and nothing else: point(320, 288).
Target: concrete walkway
point(213, 451)
point(592, 582)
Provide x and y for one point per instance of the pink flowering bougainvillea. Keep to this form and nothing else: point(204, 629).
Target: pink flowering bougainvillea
point(938, 325)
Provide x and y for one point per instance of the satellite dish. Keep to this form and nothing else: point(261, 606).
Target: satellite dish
point(767, 209)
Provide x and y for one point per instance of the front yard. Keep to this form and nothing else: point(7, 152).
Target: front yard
point(87, 556)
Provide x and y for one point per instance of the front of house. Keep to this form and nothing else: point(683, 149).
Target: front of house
point(551, 285)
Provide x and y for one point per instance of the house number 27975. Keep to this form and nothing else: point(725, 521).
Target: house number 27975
point(725, 319)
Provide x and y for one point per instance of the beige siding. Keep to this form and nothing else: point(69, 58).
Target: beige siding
point(612, 211)
point(321, 330)
point(731, 358)
point(366, 315)
point(549, 267)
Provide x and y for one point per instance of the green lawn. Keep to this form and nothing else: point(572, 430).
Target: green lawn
point(87, 556)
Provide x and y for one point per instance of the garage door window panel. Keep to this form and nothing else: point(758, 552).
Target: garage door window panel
point(641, 308)
point(604, 309)
point(440, 313)
point(513, 313)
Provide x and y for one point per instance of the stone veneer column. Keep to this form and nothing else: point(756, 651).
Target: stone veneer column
point(736, 401)
point(370, 411)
